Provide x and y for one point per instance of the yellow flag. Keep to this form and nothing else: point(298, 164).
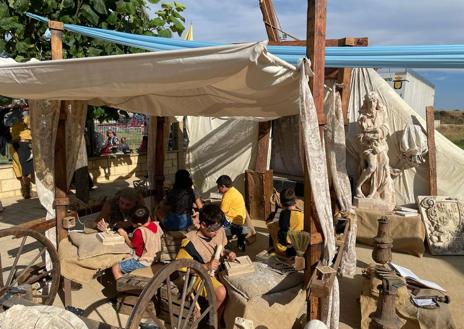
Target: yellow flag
point(189, 34)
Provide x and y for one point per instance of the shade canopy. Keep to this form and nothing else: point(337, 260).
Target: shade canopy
point(242, 80)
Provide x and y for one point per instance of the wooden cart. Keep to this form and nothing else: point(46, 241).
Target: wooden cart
point(171, 299)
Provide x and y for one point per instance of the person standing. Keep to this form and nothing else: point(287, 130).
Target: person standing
point(21, 147)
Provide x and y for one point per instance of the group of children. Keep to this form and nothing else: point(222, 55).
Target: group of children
point(215, 225)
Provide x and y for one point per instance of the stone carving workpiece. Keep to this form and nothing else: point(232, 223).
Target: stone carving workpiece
point(444, 224)
point(375, 181)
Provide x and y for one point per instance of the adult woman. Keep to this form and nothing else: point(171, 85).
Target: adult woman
point(180, 202)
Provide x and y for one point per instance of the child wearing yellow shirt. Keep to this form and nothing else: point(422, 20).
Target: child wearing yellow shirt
point(233, 206)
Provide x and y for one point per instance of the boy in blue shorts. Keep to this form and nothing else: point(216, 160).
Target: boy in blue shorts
point(145, 244)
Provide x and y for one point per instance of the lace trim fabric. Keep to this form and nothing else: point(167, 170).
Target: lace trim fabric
point(336, 160)
point(316, 165)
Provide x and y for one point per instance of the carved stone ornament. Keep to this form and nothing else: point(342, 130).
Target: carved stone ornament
point(375, 181)
point(444, 224)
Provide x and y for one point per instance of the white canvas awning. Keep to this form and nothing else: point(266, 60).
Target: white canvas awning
point(235, 80)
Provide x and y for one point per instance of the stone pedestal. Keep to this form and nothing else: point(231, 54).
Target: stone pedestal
point(372, 204)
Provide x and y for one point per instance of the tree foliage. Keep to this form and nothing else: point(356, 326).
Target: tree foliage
point(23, 37)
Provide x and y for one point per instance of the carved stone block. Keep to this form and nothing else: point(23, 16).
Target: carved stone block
point(444, 224)
point(373, 204)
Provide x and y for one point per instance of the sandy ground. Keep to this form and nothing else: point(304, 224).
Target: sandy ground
point(446, 271)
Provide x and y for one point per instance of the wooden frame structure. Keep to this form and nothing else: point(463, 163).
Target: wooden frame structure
point(315, 44)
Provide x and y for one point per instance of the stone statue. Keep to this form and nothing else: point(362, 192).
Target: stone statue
point(375, 181)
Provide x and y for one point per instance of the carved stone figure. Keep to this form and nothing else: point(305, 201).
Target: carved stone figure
point(375, 180)
point(444, 223)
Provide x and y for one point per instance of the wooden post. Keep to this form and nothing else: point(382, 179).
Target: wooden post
point(159, 159)
point(432, 157)
point(61, 184)
point(263, 146)
point(269, 19)
point(315, 51)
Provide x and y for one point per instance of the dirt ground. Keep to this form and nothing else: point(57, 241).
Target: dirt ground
point(446, 271)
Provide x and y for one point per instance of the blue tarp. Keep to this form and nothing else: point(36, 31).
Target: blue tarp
point(415, 56)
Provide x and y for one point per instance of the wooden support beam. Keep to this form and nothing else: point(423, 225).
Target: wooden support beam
point(159, 158)
point(344, 79)
point(61, 184)
point(264, 132)
point(432, 156)
point(315, 51)
point(269, 19)
point(349, 41)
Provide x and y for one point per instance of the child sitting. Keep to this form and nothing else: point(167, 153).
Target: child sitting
point(233, 206)
point(291, 219)
point(145, 242)
point(201, 245)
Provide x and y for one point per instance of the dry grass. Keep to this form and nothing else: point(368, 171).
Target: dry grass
point(454, 133)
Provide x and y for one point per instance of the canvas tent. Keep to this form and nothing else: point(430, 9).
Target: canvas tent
point(233, 81)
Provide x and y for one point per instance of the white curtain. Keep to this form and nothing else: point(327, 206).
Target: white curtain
point(44, 123)
point(220, 147)
point(335, 143)
point(316, 165)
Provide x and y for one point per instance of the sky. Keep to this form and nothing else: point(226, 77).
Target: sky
point(384, 22)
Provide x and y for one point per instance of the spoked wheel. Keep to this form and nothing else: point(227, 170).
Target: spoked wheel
point(22, 266)
point(185, 303)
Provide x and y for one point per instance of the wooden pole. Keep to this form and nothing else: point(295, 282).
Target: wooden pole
point(61, 185)
point(315, 51)
point(432, 157)
point(159, 159)
point(269, 19)
point(270, 23)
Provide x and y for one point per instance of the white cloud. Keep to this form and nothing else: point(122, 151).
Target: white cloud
point(384, 22)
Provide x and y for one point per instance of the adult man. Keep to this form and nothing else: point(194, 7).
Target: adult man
point(117, 212)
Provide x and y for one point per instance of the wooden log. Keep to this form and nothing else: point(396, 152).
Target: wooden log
point(432, 156)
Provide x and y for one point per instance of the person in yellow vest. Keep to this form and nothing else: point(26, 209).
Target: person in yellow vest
point(233, 206)
point(291, 219)
point(201, 245)
point(21, 149)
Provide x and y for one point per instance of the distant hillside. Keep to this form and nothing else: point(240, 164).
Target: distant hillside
point(455, 117)
point(452, 125)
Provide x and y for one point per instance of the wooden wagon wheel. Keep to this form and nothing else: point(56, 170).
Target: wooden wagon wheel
point(27, 270)
point(196, 279)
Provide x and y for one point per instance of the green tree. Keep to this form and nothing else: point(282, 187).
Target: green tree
point(23, 37)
